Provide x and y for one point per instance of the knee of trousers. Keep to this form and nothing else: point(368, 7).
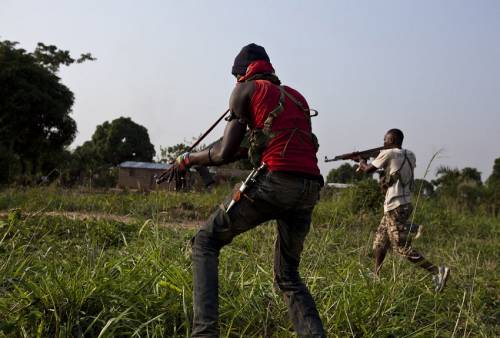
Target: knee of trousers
point(288, 281)
point(214, 234)
point(380, 244)
point(203, 242)
point(405, 251)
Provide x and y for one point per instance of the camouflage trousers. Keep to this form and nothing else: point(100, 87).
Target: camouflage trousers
point(394, 232)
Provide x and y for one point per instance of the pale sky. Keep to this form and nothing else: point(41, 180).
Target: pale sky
point(428, 67)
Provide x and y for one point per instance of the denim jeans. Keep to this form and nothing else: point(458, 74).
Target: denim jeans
point(290, 201)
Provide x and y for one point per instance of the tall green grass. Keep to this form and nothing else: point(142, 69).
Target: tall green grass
point(62, 277)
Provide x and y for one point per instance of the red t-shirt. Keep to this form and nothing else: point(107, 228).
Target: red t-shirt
point(292, 148)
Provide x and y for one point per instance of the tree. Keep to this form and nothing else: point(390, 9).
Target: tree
point(111, 144)
point(52, 58)
point(494, 178)
point(346, 174)
point(122, 140)
point(423, 187)
point(35, 106)
point(169, 154)
point(493, 188)
point(471, 175)
point(114, 142)
point(447, 181)
point(464, 186)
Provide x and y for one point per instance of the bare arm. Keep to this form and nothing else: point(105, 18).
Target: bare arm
point(227, 149)
point(365, 167)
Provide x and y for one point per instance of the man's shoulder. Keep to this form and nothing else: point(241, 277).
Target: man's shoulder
point(298, 95)
point(244, 88)
point(398, 152)
point(240, 99)
point(409, 153)
point(387, 153)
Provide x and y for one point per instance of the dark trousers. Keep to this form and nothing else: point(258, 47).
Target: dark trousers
point(288, 199)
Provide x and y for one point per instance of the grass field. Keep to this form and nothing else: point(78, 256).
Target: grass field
point(74, 263)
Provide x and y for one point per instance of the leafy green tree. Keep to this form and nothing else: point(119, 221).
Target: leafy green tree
point(84, 162)
point(471, 175)
point(493, 189)
point(35, 107)
point(111, 144)
point(494, 178)
point(168, 154)
point(52, 58)
point(424, 187)
point(346, 174)
point(464, 186)
point(447, 181)
point(114, 142)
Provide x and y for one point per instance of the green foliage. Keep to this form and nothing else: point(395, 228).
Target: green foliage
point(52, 58)
point(112, 143)
point(346, 174)
point(62, 276)
point(423, 187)
point(169, 154)
point(494, 178)
point(35, 109)
point(492, 193)
point(122, 140)
point(462, 186)
point(365, 196)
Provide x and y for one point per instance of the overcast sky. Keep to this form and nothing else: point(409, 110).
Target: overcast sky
point(430, 68)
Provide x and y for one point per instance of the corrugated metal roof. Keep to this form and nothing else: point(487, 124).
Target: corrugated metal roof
point(144, 165)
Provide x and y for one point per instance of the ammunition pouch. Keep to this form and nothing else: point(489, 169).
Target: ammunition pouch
point(388, 180)
point(258, 140)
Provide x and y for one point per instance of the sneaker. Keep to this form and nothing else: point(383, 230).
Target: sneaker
point(441, 277)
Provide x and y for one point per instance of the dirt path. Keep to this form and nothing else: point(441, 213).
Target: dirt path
point(89, 215)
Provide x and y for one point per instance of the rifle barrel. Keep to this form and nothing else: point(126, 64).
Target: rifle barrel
point(348, 156)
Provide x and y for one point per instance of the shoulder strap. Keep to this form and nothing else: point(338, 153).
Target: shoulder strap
point(276, 111)
point(410, 182)
point(294, 100)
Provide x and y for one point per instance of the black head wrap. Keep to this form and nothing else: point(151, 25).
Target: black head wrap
point(246, 56)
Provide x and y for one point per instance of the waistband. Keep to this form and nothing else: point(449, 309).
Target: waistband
point(302, 175)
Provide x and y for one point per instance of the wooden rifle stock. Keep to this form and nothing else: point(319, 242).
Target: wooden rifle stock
point(366, 154)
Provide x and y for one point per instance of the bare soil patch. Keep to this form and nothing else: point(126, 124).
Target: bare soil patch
point(89, 215)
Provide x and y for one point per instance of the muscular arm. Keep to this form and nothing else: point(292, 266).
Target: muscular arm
point(226, 150)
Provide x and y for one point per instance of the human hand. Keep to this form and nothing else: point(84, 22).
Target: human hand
point(177, 172)
point(182, 162)
point(357, 158)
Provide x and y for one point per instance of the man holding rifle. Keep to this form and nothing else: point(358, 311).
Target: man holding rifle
point(394, 229)
point(284, 186)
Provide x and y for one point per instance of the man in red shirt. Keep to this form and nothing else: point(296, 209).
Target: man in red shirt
point(281, 141)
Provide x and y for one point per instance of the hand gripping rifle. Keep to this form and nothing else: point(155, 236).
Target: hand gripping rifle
point(364, 154)
point(163, 176)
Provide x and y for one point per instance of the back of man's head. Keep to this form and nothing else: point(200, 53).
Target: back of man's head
point(246, 56)
point(398, 136)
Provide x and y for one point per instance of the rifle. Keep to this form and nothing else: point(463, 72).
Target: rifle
point(163, 176)
point(365, 154)
point(244, 186)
